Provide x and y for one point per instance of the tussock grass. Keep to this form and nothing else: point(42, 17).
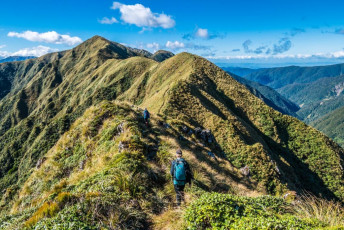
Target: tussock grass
point(329, 212)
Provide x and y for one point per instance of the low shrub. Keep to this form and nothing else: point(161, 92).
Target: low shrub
point(224, 211)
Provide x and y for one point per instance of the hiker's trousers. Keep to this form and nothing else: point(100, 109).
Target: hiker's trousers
point(179, 193)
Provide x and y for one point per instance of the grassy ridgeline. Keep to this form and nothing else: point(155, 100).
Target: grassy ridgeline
point(58, 117)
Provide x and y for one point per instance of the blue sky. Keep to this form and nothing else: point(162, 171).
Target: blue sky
point(236, 33)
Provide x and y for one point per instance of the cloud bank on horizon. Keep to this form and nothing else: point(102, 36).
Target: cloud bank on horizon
point(264, 33)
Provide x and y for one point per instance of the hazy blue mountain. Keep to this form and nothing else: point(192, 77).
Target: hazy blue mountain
point(280, 77)
point(15, 58)
point(239, 71)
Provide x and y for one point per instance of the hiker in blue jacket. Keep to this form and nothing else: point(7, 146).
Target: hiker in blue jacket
point(181, 174)
point(146, 116)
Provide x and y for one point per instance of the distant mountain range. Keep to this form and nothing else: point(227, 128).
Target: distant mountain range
point(318, 91)
point(240, 71)
point(15, 58)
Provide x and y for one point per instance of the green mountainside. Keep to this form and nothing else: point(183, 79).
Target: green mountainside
point(316, 98)
point(269, 96)
point(75, 153)
point(317, 90)
point(332, 124)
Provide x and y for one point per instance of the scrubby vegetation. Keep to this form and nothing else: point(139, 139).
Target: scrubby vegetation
point(76, 154)
point(224, 211)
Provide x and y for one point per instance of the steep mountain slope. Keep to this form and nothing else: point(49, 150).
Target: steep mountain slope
point(316, 98)
point(97, 157)
point(33, 117)
point(271, 97)
point(15, 75)
point(332, 125)
point(317, 90)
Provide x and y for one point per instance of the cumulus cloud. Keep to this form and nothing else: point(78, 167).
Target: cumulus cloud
point(34, 51)
point(154, 46)
point(175, 45)
point(284, 44)
point(47, 37)
point(108, 21)
point(142, 16)
point(339, 31)
point(4, 54)
point(246, 45)
point(202, 33)
point(2, 46)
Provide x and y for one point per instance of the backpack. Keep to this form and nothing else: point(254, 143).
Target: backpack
point(145, 114)
point(179, 172)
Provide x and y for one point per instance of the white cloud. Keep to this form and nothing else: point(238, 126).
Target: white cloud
point(108, 21)
point(142, 16)
point(2, 46)
point(332, 55)
point(202, 33)
point(174, 45)
point(155, 46)
point(4, 54)
point(34, 51)
point(47, 37)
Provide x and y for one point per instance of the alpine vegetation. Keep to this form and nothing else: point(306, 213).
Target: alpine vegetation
point(103, 136)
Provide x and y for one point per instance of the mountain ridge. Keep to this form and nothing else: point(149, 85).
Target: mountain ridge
point(74, 105)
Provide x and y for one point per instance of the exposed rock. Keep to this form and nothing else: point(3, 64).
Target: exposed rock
point(338, 89)
point(122, 146)
point(120, 128)
point(203, 135)
point(185, 129)
point(291, 196)
point(245, 171)
point(276, 167)
point(40, 162)
point(198, 131)
point(82, 164)
point(210, 136)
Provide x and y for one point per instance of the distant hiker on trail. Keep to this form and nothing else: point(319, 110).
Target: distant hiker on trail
point(146, 116)
point(181, 174)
